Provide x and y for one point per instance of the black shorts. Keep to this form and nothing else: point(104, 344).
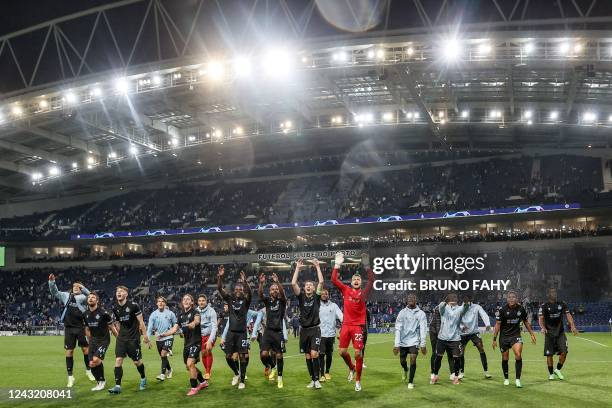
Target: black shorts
point(506, 343)
point(192, 351)
point(273, 340)
point(555, 344)
point(474, 338)
point(164, 345)
point(236, 342)
point(327, 345)
point(98, 349)
point(130, 348)
point(310, 339)
point(74, 335)
point(455, 347)
point(404, 351)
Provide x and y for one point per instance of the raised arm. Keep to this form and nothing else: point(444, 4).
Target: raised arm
point(222, 292)
point(84, 291)
point(294, 279)
point(365, 261)
point(61, 296)
point(247, 288)
point(262, 282)
point(338, 260)
point(281, 290)
point(320, 278)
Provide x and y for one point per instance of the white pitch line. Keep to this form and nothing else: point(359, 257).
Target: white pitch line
point(593, 341)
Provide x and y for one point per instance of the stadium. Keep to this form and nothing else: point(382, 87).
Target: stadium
point(440, 170)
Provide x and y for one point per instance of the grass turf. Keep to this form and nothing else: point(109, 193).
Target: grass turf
point(38, 362)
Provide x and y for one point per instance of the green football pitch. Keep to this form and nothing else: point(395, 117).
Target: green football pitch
point(38, 362)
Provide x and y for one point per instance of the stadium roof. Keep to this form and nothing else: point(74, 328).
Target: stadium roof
point(145, 90)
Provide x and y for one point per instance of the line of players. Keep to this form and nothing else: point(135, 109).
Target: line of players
point(451, 329)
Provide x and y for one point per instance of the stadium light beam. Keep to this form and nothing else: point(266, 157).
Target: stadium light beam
point(451, 50)
point(214, 70)
point(277, 64)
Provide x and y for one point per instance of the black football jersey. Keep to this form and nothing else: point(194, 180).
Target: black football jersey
point(191, 336)
point(275, 313)
point(510, 319)
point(553, 316)
point(73, 317)
point(98, 321)
point(309, 309)
point(238, 309)
point(127, 316)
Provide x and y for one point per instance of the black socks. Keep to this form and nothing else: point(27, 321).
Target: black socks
point(518, 365)
point(505, 368)
point(141, 370)
point(118, 375)
point(69, 365)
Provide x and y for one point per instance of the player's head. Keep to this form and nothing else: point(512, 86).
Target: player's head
point(325, 295)
point(274, 290)
point(309, 287)
point(187, 301)
point(238, 290)
point(512, 298)
point(467, 299)
point(121, 293)
point(551, 295)
point(225, 307)
point(76, 287)
point(356, 281)
point(411, 300)
point(452, 298)
point(93, 299)
point(161, 302)
point(202, 301)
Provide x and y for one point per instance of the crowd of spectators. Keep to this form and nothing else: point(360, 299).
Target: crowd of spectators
point(580, 274)
point(352, 189)
point(86, 253)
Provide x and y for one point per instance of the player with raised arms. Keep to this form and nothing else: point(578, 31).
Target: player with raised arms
point(309, 300)
point(273, 340)
point(74, 303)
point(98, 324)
point(550, 317)
point(237, 341)
point(410, 335)
point(160, 322)
point(354, 323)
point(508, 322)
